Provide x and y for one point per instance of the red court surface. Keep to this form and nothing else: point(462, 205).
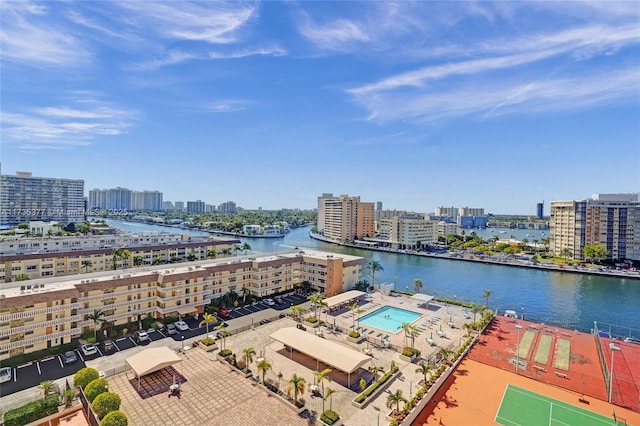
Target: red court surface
point(553, 355)
point(626, 374)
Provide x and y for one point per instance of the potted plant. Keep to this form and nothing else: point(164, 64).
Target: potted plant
point(354, 337)
point(409, 354)
point(208, 344)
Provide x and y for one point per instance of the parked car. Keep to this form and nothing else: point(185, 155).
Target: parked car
point(223, 313)
point(631, 339)
point(108, 347)
point(142, 336)
point(181, 325)
point(70, 357)
point(269, 302)
point(264, 321)
point(171, 329)
point(89, 349)
point(5, 374)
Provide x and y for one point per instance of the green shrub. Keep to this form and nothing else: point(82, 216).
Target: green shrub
point(91, 339)
point(368, 391)
point(312, 320)
point(32, 411)
point(329, 417)
point(106, 403)
point(17, 360)
point(225, 353)
point(410, 352)
point(354, 334)
point(208, 341)
point(85, 376)
point(115, 418)
point(95, 388)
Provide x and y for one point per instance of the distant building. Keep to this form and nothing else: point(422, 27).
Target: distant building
point(228, 207)
point(195, 206)
point(540, 210)
point(378, 205)
point(179, 205)
point(386, 214)
point(472, 221)
point(408, 232)
point(345, 218)
point(611, 220)
point(150, 201)
point(167, 205)
point(447, 211)
point(468, 211)
point(24, 198)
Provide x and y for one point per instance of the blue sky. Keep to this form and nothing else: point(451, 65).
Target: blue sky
point(416, 104)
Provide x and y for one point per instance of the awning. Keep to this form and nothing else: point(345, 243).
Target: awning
point(341, 357)
point(185, 310)
point(152, 359)
point(341, 298)
point(424, 298)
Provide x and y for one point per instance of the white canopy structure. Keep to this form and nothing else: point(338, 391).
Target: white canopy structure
point(333, 354)
point(341, 298)
point(422, 298)
point(152, 359)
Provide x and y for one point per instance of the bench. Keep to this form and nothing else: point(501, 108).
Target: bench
point(562, 375)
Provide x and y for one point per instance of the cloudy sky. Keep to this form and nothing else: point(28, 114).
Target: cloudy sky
point(416, 104)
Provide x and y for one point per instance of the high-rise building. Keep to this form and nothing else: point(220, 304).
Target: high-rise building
point(540, 210)
point(150, 201)
point(179, 205)
point(24, 198)
point(228, 207)
point(470, 211)
point(195, 206)
point(408, 232)
point(167, 205)
point(446, 211)
point(378, 205)
point(345, 218)
point(610, 220)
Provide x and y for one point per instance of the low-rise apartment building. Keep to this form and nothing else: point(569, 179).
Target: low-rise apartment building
point(408, 232)
point(47, 312)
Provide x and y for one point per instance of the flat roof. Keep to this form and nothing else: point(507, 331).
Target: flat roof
point(425, 298)
point(331, 353)
point(152, 359)
point(338, 299)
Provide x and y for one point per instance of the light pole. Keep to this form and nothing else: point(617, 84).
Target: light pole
point(518, 327)
point(613, 348)
point(522, 313)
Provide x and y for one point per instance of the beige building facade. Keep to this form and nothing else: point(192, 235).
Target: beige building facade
point(408, 233)
point(345, 218)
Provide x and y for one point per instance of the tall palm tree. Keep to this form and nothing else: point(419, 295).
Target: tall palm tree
point(328, 394)
point(245, 292)
point(566, 252)
point(395, 398)
point(117, 253)
point(263, 365)
point(486, 293)
point(423, 369)
point(126, 255)
point(374, 266)
point(410, 332)
point(245, 247)
point(475, 308)
point(467, 328)
point(206, 320)
point(375, 369)
point(224, 334)
point(320, 377)
point(86, 264)
point(297, 385)
point(297, 312)
point(279, 376)
point(417, 285)
point(97, 318)
point(48, 387)
point(445, 353)
point(247, 356)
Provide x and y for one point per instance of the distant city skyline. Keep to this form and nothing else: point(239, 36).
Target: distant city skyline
point(499, 105)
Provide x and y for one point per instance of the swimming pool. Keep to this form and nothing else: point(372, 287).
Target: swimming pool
point(389, 318)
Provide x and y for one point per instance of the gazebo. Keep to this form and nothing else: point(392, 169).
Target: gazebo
point(151, 360)
point(422, 298)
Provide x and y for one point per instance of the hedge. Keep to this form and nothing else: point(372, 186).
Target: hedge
point(368, 391)
point(329, 417)
point(95, 388)
point(106, 403)
point(84, 376)
point(115, 418)
point(33, 411)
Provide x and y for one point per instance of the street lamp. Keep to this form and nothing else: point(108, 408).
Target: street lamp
point(518, 327)
point(614, 349)
point(522, 312)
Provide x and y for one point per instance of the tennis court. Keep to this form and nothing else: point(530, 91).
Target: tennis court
point(520, 407)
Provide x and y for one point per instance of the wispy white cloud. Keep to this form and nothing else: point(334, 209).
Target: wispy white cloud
point(64, 126)
point(228, 105)
point(241, 53)
point(340, 34)
point(173, 57)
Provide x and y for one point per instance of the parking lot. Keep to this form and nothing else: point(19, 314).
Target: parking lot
point(52, 368)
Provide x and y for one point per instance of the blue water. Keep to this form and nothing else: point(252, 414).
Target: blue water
point(389, 318)
point(561, 298)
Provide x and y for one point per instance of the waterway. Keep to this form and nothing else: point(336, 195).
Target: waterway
point(565, 299)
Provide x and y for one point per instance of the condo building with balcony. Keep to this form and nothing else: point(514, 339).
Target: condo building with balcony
point(47, 312)
point(345, 218)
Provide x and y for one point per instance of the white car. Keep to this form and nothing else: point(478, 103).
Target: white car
point(269, 302)
point(142, 336)
point(181, 325)
point(5, 374)
point(89, 349)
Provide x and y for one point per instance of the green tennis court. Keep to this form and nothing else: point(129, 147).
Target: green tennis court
point(520, 407)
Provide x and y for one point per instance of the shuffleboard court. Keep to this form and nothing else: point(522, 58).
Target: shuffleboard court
point(563, 354)
point(542, 354)
point(525, 344)
point(520, 407)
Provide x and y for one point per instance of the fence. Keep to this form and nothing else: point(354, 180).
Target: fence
point(88, 411)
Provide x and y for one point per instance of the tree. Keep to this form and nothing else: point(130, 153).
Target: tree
point(297, 311)
point(445, 354)
point(85, 376)
point(245, 247)
point(245, 292)
point(329, 395)
point(374, 266)
point(247, 356)
point(116, 254)
point(206, 320)
point(106, 403)
point(138, 260)
point(356, 310)
point(410, 332)
point(375, 369)
point(423, 369)
point(475, 308)
point(566, 252)
point(86, 264)
point(395, 398)
point(467, 328)
point(595, 251)
point(68, 395)
point(95, 388)
point(115, 418)
point(362, 285)
point(297, 385)
point(318, 300)
point(320, 377)
point(48, 387)
point(126, 255)
point(362, 383)
point(97, 318)
point(417, 285)
point(486, 293)
point(224, 334)
point(263, 365)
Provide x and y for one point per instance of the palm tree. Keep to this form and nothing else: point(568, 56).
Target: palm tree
point(247, 356)
point(245, 247)
point(279, 376)
point(297, 312)
point(320, 377)
point(318, 300)
point(486, 293)
point(328, 394)
point(475, 308)
point(206, 320)
point(226, 251)
point(263, 365)
point(467, 328)
point(356, 311)
point(395, 398)
point(96, 317)
point(374, 266)
point(410, 331)
point(423, 369)
point(417, 285)
point(566, 252)
point(375, 369)
point(47, 387)
point(224, 334)
point(117, 253)
point(245, 292)
point(138, 260)
point(297, 385)
point(211, 253)
point(86, 264)
point(445, 353)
